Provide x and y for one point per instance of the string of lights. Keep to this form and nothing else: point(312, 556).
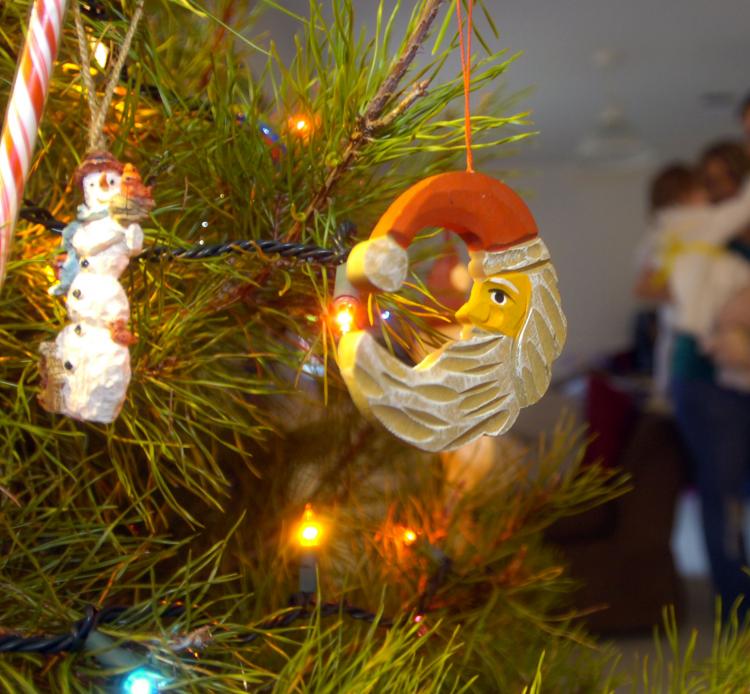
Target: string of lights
point(302, 606)
point(201, 251)
point(302, 252)
point(140, 672)
point(142, 678)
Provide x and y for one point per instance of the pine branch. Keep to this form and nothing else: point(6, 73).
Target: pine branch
point(372, 120)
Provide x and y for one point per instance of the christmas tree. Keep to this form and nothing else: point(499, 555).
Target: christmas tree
point(239, 526)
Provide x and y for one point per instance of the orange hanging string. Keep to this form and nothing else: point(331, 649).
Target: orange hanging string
point(466, 69)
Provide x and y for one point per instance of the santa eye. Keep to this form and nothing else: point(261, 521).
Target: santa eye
point(498, 296)
point(111, 180)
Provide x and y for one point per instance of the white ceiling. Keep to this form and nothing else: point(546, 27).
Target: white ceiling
point(671, 52)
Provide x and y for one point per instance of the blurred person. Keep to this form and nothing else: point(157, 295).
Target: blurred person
point(744, 114)
point(714, 419)
point(724, 166)
point(672, 187)
point(686, 264)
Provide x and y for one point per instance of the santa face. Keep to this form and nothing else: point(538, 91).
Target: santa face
point(497, 304)
point(513, 325)
point(514, 329)
point(99, 188)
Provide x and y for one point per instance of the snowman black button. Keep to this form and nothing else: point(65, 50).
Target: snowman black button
point(77, 293)
point(68, 366)
point(85, 263)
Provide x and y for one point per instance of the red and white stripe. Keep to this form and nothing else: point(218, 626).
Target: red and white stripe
point(24, 113)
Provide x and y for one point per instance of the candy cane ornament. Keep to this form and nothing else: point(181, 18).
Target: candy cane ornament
point(24, 112)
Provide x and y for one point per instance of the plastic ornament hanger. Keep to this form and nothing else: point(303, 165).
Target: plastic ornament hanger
point(513, 326)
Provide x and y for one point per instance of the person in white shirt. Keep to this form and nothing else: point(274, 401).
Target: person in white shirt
point(690, 258)
point(712, 417)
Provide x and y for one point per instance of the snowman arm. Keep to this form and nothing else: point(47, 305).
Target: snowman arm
point(134, 238)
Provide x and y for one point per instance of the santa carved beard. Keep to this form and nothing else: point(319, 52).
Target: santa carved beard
point(469, 388)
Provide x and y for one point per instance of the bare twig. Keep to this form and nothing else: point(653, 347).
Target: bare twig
point(416, 92)
point(372, 119)
point(388, 88)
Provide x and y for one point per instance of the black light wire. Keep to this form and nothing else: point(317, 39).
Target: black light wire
point(302, 252)
point(302, 606)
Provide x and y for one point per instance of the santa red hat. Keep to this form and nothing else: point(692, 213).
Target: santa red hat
point(484, 212)
point(493, 221)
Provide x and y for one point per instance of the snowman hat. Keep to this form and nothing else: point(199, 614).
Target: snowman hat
point(95, 162)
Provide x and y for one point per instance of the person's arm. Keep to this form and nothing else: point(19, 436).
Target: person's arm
point(729, 218)
point(650, 286)
point(729, 344)
point(731, 348)
point(736, 312)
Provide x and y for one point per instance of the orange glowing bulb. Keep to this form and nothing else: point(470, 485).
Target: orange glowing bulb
point(410, 537)
point(310, 531)
point(345, 319)
point(345, 313)
point(300, 125)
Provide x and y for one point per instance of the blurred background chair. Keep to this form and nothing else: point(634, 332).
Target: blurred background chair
point(620, 552)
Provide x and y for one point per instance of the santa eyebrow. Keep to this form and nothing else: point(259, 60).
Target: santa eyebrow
point(504, 283)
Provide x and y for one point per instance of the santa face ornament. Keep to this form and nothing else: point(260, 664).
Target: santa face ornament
point(513, 326)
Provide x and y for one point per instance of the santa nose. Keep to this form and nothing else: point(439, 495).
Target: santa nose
point(462, 315)
point(103, 182)
point(472, 312)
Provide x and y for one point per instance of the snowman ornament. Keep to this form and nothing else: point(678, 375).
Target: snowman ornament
point(86, 369)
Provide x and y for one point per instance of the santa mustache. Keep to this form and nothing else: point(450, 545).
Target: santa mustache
point(464, 390)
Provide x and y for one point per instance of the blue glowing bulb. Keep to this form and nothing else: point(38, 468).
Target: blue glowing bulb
point(142, 681)
point(268, 133)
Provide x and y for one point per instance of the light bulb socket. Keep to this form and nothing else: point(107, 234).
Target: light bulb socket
point(342, 286)
point(105, 650)
point(308, 572)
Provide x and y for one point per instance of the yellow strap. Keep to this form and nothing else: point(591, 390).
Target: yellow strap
point(675, 247)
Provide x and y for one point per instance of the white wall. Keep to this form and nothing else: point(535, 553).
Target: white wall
point(591, 220)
